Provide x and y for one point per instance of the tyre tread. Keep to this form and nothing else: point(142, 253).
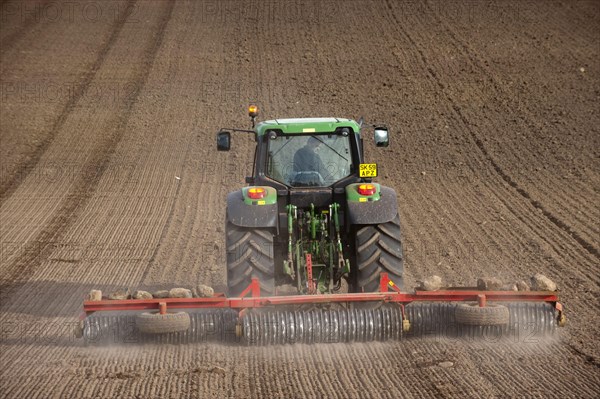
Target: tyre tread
point(379, 249)
point(255, 260)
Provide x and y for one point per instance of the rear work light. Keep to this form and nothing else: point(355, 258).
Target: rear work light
point(256, 193)
point(366, 189)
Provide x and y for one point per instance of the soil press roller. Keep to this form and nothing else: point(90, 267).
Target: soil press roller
point(314, 254)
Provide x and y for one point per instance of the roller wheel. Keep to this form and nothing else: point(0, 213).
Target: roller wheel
point(156, 323)
point(489, 315)
point(378, 249)
point(249, 254)
point(78, 329)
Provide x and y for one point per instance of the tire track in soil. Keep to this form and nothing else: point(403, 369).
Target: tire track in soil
point(451, 191)
point(587, 246)
point(8, 42)
point(165, 228)
point(39, 248)
point(166, 146)
point(500, 172)
point(459, 44)
point(26, 166)
point(536, 204)
point(178, 258)
point(586, 356)
point(562, 226)
point(523, 219)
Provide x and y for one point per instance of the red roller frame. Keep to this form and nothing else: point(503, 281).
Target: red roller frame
point(250, 298)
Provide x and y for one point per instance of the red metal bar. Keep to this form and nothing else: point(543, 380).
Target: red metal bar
point(253, 289)
point(250, 298)
point(309, 274)
point(471, 295)
point(257, 301)
point(481, 300)
point(384, 280)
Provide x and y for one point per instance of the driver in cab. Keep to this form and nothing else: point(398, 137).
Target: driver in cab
point(306, 158)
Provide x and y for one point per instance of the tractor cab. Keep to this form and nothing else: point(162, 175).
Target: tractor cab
point(307, 152)
point(309, 160)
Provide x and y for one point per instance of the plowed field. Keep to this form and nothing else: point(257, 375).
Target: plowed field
point(110, 179)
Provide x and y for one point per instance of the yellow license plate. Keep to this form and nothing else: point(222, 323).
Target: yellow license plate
point(367, 170)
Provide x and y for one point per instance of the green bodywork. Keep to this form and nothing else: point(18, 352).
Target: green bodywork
point(306, 125)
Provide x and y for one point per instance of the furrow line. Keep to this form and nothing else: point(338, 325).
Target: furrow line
point(175, 258)
point(84, 187)
point(8, 42)
point(26, 166)
point(589, 247)
point(165, 228)
point(508, 179)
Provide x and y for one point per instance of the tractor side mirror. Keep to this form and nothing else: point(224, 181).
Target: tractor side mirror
point(381, 137)
point(223, 141)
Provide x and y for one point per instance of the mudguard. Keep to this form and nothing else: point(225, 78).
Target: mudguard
point(240, 213)
point(374, 212)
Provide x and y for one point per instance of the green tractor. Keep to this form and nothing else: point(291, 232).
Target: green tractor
point(311, 215)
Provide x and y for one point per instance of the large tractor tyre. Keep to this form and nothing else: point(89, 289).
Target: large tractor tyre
point(489, 315)
point(378, 249)
point(156, 323)
point(249, 254)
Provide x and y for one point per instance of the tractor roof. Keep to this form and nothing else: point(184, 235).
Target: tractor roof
point(306, 125)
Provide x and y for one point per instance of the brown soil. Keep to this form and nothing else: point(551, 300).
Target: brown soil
point(110, 179)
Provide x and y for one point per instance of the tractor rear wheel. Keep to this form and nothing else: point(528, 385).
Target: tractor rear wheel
point(378, 249)
point(249, 254)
